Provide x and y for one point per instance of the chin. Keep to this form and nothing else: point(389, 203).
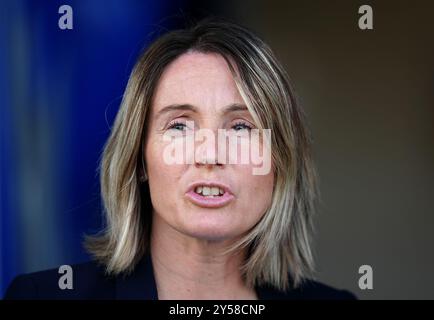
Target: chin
point(212, 231)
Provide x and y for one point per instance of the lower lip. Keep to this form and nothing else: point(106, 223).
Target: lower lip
point(207, 202)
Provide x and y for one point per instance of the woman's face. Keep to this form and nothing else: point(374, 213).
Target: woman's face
point(202, 198)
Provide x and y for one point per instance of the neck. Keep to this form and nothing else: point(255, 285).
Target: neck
point(191, 268)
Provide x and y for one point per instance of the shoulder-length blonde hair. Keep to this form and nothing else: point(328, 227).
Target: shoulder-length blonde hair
point(279, 253)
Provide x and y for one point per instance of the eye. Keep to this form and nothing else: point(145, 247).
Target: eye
point(241, 125)
point(176, 125)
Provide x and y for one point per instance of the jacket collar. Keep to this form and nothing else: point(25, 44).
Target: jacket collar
point(139, 284)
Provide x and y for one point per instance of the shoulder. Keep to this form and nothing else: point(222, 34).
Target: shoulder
point(307, 290)
point(86, 281)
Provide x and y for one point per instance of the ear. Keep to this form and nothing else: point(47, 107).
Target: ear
point(143, 176)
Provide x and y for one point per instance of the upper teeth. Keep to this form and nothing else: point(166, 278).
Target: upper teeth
point(209, 191)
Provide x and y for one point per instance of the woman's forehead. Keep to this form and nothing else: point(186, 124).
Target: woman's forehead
point(202, 79)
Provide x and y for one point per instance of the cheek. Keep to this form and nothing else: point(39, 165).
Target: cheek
point(163, 178)
point(257, 192)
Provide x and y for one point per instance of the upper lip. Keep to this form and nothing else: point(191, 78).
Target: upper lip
point(208, 183)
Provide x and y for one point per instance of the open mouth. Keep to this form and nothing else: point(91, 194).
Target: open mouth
point(209, 194)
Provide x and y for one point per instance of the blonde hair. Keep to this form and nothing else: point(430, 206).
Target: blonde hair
point(279, 251)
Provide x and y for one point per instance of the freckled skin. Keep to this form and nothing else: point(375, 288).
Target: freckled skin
point(204, 81)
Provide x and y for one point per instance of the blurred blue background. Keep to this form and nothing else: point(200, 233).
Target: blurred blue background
point(60, 91)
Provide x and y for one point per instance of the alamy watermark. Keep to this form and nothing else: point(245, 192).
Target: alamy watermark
point(366, 281)
point(66, 281)
point(66, 21)
point(252, 147)
point(366, 20)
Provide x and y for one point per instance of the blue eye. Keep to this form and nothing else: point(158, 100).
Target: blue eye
point(177, 126)
point(240, 126)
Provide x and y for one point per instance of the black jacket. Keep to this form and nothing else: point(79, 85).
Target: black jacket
point(91, 282)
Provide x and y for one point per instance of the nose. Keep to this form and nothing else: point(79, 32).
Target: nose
point(207, 153)
point(207, 161)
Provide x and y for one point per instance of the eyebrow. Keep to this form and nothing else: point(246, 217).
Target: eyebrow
point(188, 107)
